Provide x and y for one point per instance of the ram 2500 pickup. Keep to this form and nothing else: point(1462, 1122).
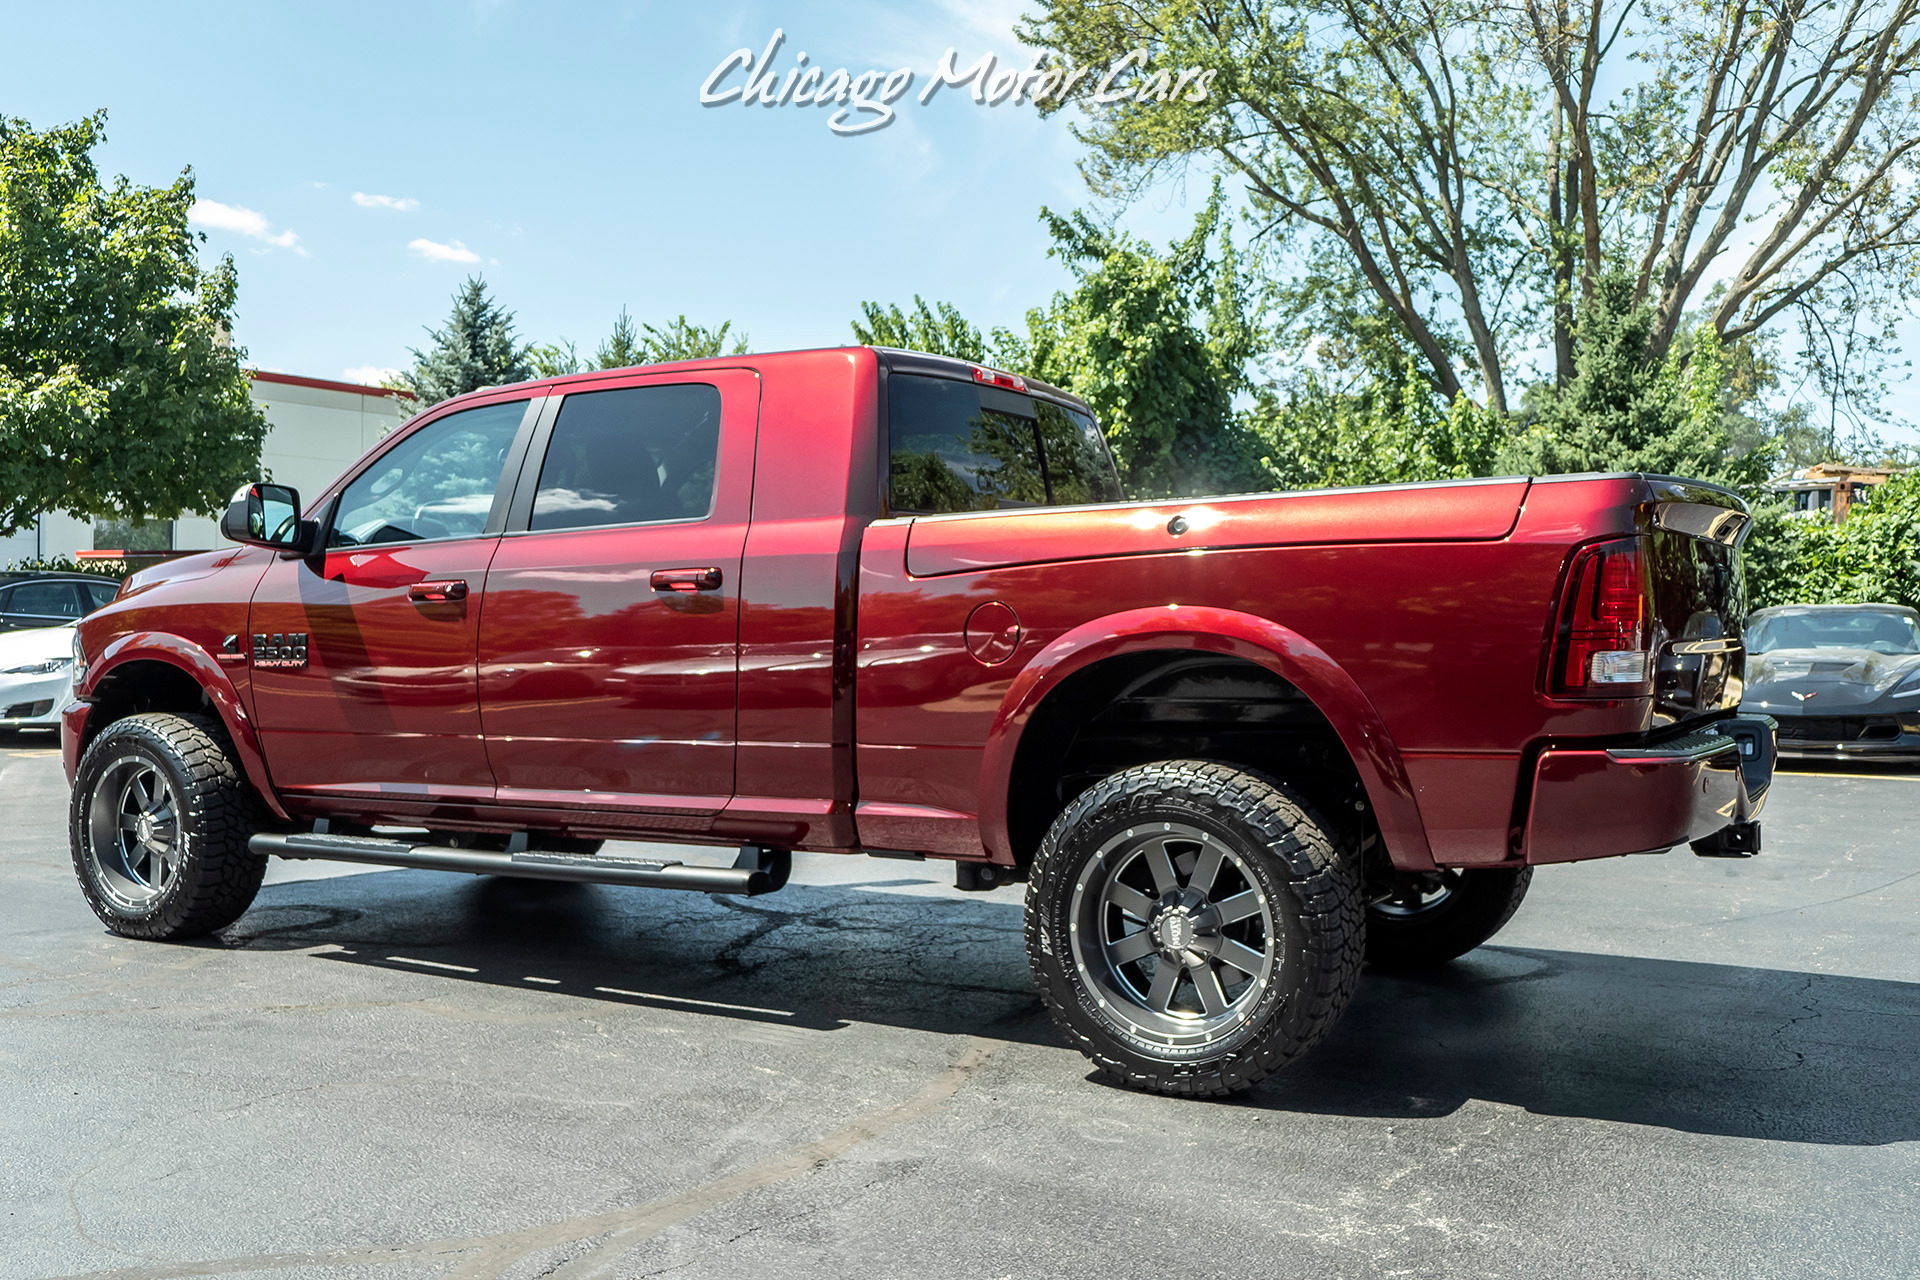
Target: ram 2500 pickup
point(870, 601)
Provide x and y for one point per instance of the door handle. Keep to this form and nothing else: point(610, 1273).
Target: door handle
point(438, 592)
point(686, 579)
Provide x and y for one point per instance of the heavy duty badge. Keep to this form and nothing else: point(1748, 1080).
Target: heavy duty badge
point(288, 650)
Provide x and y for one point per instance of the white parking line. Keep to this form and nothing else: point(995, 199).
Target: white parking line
point(432, 964)
point(702, 1004)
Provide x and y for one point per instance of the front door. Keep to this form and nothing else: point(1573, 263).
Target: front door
point(363, 657)
point(610, 630)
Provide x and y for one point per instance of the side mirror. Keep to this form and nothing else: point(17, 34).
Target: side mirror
point(267, 515)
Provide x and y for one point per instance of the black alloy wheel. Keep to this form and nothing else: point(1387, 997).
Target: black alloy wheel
point(1428, 918)
point(1191, 927)
point(159, 822)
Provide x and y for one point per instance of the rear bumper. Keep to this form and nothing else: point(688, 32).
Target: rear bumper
point(1646, 799)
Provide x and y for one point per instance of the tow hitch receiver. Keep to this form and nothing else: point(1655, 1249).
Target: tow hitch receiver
point(1740, 840)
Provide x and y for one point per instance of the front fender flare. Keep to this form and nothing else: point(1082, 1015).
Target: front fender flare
point(161, 646)
point(1207, 630)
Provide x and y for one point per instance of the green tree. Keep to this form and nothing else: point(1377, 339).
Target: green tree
point(623, 346)
point(1874, 557)
point(630, 344)
point(1158, 344)
point(119, 390)
point(1476, 169)
point(1388, 431)
point(1628, 409)
point(475, 348)
point(555, 359)
point(939, 330)
point(680, 340)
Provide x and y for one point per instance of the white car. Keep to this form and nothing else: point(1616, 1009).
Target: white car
point(36, 677)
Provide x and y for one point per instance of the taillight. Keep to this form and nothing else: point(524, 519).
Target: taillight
point(995, 378)
point(1603, 640)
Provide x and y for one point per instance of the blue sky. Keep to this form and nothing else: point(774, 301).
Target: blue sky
point(365, 158)
point(562, 153)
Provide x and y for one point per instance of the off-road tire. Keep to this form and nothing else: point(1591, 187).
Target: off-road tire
point(1477, 905)
point(214, 877)
point(1310, 889)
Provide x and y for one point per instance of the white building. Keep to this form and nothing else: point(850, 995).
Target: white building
point(314, 429)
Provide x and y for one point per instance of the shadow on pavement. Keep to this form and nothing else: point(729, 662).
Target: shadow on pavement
point(1699, 1048)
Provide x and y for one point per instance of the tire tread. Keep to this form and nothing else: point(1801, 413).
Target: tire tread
point(1325, 884)
point(221, 876)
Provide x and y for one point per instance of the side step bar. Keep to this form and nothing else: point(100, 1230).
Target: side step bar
point(756, 871)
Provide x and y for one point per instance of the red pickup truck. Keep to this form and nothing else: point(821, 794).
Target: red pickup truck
point(871, 601)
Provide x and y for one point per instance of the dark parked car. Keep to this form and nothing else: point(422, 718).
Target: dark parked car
point(51, 599)
point(1842, 679)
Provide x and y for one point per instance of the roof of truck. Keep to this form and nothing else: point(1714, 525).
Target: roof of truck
point(891, 357)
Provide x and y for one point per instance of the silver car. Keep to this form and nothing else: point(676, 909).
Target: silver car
point(1842, 679)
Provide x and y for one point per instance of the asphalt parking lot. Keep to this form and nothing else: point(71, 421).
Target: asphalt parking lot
point(1664, 1067)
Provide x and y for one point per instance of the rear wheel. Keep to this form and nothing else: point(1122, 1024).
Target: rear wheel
point(1191, 927)
point(1433, 917)
point(159, 822)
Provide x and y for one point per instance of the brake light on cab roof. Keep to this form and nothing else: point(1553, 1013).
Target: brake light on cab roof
point(995, 378)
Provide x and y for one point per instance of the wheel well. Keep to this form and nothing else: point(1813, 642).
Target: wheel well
point(144, 685)
point(1180, 705)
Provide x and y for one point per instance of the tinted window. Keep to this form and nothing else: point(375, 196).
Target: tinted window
point(959, 446)
point(100, 594)
point(630, 456)
point(45, 600)
point(1078, 468)
point(956, 446)
point(439, 482)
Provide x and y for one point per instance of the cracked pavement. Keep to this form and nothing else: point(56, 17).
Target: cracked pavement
point(1663, 1067)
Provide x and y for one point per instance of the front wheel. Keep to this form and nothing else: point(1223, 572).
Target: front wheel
point(159, 822)
point(1192, 928)
point(1433, 917)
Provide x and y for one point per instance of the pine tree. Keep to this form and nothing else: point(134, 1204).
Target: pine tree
point(622, 347)
point(474, 349)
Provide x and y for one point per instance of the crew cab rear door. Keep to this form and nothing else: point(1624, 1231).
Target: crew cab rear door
point(610, 633)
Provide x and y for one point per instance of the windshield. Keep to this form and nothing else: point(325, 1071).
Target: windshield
point(1877, 632)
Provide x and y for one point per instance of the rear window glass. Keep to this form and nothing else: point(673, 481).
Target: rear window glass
point(630, 456)
point(1078, 468)
point(45, 600)
point(958, 446)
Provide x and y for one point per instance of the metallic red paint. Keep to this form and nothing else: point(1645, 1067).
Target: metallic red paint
point(827, 696)
point(387, 702)
point(597, 688)
point(162, 646)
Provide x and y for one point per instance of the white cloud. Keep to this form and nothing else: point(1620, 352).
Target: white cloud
point(399, 204)
point(372, 375)
point(434, 251)
point(231, 217)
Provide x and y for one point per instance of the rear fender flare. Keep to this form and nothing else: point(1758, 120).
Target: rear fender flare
point(160, 646)
point(1225, 631)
